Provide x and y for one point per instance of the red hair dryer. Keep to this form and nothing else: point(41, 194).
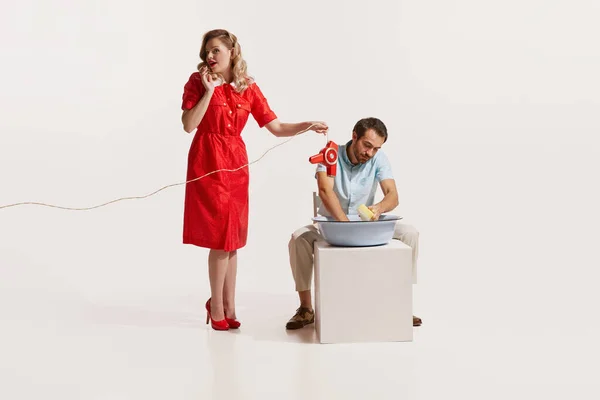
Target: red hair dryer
point(328, 156)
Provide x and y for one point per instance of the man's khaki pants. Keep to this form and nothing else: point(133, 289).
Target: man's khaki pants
point(301, 251)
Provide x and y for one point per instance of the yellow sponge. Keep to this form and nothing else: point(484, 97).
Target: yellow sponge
point(365, 213)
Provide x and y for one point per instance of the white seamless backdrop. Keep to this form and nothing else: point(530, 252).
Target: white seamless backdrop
point(492, 111)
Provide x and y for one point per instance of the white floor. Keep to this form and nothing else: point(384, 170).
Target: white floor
point(56, 345)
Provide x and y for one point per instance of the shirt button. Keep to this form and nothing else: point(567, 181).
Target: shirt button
point(229, 125)
point(224, 104)
point(238, 106)
point(230, 112)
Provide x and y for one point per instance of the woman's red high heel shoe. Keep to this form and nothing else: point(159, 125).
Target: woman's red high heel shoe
point(233, 323)
point(221, 325)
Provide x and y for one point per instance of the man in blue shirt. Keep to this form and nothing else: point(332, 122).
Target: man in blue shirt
point(361, 167)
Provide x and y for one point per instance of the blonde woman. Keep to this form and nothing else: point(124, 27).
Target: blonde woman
point(217, 101)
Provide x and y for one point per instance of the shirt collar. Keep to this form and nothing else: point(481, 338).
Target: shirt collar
point(344, 155)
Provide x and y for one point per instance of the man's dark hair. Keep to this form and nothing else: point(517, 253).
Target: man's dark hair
point(365, 124)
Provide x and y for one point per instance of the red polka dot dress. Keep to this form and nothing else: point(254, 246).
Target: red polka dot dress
point(216, 206)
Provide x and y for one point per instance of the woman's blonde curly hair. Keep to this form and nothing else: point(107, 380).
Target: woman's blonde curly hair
point(238, 65)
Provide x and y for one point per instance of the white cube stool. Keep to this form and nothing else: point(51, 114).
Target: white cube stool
point(363, 294)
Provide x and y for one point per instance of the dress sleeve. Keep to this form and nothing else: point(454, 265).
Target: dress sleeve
point(192, 91)
point(260, 109)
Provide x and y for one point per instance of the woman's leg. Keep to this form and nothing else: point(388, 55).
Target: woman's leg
point(229, 288)
point(217, 270)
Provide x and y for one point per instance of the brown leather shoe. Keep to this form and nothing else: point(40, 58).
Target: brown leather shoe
point(303, 317)
point(417, 321)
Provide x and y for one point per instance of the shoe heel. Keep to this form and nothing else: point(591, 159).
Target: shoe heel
point(216, 325)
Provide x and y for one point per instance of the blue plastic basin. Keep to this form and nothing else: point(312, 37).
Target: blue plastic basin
point(357, 233)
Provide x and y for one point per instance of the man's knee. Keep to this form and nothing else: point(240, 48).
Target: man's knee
point(304, 236)
point(407, 234)
point(412, 236)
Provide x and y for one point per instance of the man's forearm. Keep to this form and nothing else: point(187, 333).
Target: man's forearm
point(388, 203)
point(332, 204)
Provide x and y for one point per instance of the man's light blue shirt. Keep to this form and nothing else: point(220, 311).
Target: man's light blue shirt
point(356, 184)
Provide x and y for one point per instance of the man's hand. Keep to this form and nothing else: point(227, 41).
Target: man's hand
point(376, 210)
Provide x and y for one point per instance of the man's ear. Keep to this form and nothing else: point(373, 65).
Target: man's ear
point(354, 136)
